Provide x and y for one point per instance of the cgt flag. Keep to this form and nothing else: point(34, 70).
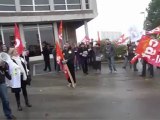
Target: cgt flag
point(18, 43)
point(123, 38)
point(86, 40)
point(59, 58)
point(149, 49)
point(60, 33)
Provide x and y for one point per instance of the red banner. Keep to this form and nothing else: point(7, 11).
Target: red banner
point(121, 40)
point(86, 40)
point(60, 33)
point(149, 49)
point(59, 53)
point(135, 58)
point(18, 42)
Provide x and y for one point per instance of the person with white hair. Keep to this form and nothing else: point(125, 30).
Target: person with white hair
point(19, 81)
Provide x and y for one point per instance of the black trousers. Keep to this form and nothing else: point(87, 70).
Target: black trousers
point(72, 71)
point(17, 93)
point(97, 65)
point(150, 68)
point(47, 64)
point(85, 66)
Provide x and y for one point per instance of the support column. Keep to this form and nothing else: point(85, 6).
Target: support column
point(51, 3)
point(83, 5)
point(2, 35)
point(17, 4)
point(55, 28)
point(86, 28)
point(22, 34)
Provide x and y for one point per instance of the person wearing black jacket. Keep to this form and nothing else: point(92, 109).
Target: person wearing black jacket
point(83, 52)
point(4, 72)
point(69, 60)
point(46, 53)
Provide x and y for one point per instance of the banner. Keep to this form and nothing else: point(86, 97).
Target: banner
point(121, 40)
point(18, 42)
point(86, 40)
point(149, 49)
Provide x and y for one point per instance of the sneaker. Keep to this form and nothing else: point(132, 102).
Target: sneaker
point(124, 67)
point(74, 85)
point(12, 117)
point(135, 70)
point(19, 108)
point(69, 85)
point(142, 75)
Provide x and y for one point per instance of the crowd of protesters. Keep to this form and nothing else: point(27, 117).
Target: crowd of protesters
point(76, 57)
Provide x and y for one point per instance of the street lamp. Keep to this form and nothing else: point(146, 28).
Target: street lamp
point(144, 19)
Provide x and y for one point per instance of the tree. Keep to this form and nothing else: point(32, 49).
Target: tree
point(153, 18)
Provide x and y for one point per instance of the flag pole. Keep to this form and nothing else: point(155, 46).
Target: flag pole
point(59, 41)
point(69, 73)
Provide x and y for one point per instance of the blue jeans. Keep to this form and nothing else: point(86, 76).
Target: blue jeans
point(5, 101)
point(111, 64)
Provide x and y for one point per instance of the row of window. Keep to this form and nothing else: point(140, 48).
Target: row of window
point(41, 5)
point(34, 36)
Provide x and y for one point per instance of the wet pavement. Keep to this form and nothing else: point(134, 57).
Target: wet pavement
point(117, 96)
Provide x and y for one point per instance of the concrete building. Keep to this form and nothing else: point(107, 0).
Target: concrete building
point(38, 21)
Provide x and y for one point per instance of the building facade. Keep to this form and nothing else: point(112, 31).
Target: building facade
point(38, 21)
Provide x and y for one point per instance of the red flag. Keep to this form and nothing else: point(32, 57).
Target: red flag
point(60, 33)
point(149, 49)
point(135, 58)
point(99, 40)
point(121, 40)
point(59, 58)
point(18, 43)
point(86, 40)
point(143, 43)
point(59, 53)
point(154, 31)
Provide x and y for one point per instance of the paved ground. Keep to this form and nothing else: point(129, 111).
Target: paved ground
point(118, 96)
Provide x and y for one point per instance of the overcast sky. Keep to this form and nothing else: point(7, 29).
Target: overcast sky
point(116, 15)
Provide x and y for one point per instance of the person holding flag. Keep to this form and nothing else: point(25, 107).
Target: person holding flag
point(66, 57)
point(69, 60)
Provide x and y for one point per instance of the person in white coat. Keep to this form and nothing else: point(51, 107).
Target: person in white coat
point(19, 81)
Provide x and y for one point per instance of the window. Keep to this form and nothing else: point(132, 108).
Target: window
point(42, 2)
point(7, 2)
point(7, 5)
point(70, 7)
point(35, 35)
point(32, 40)
point(67, 4)
point(35, 5)
point(87, 4)
point(8, 33)
point(73, 1)
point(26, 2)
point(47, 34)
point(59, 2)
